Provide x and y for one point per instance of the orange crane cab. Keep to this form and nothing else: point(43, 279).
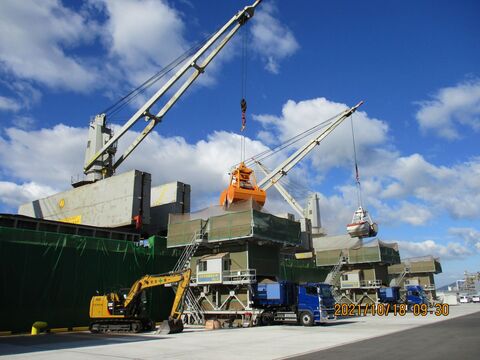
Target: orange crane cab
point(243, 186)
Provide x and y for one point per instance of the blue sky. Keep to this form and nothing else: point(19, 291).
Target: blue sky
point(414, 63)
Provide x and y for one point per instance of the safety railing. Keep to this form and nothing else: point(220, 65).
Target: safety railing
point(370, 283)
point(244, 276)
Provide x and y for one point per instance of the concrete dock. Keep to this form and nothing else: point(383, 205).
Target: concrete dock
point(273, 342)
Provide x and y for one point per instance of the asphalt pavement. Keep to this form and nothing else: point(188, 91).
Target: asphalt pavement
point(457, 338)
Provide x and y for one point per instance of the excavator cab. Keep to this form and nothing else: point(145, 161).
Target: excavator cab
point(243, 186)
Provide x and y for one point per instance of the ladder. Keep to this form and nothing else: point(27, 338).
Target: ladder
point(194, 308)
point(189, 251)
point(182, 264)
point(333, 276)
point(397, 281)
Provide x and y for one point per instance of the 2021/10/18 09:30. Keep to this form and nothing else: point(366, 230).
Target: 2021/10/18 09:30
point(393, 309)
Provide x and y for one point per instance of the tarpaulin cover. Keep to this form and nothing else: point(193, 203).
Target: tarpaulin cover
point(51, 277)
point(229, 225)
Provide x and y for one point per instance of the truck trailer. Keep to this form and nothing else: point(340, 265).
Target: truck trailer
point(288, 302)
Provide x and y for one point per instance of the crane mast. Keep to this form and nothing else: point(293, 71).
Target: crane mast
point(101, 146)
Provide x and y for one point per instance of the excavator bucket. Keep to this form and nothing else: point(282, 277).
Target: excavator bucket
point(171, 326)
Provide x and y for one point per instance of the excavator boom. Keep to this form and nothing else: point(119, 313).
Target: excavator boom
point(112, 312)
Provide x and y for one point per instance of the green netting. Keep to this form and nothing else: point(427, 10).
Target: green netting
point(51, 277)
point(389, 255)
point(427, 266)
point(230, 226)
point(273, 228)
point(301, 271)
point(181, 234)
point(264, 259)
point(328, 257)
point(234, 225)
point(364, 254)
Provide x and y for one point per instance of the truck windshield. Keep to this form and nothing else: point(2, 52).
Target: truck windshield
point(325, 291)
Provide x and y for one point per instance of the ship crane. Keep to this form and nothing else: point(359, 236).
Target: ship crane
point(102, 143)
point(243, 185)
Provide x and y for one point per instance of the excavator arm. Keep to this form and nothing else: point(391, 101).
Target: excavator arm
point(113, 313)
point(148, 281)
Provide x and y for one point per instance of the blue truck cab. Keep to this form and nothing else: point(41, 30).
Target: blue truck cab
point(285, 301)
point(414, 295)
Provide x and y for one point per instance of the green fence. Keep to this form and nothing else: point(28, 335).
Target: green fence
point(51, 277)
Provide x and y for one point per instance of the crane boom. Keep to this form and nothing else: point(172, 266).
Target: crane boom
point(232, 26)
point(289, 198)
point(273, 177)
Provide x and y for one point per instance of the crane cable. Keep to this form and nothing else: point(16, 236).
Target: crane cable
point(243, 91)
point(357, 176)
point(143, 87)
point(289, 142)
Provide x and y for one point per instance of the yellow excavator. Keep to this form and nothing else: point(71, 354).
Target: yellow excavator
point(125, 311)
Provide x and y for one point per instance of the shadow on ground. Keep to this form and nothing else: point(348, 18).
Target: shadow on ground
point(45, 342)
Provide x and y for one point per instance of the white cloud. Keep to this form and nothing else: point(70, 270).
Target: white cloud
point(9, 104)
point(407, 212)
point(142, 35)
point(204, 164)
point(395, 188)
point(451, 189)
point(24, 122)
point(13, 194)
point(336, 212)
point(452, 250)
point(337, 148)
point(271, 39)
point(49, 157)
point(35, 39)
point(451, 107)
point(406, 189)
point(471, 236)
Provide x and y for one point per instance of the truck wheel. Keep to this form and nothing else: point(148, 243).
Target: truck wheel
point(267, 319)
point(306, 318)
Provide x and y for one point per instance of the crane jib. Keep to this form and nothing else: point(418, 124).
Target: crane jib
point(226, 32)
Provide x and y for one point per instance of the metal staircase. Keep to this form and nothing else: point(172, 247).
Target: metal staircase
point(398, 280)
point(194, 309)
point(333, 276)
